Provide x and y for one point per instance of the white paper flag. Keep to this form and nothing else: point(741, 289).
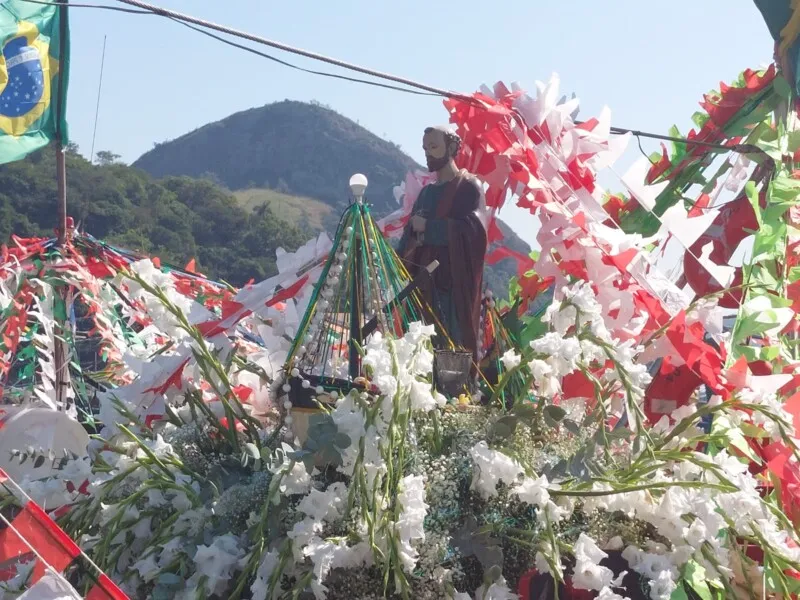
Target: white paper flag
point(51, 587)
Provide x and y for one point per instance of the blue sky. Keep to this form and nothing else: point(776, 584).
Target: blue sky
point(650, 65)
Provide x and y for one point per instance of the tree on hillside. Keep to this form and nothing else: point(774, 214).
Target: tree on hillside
point(105, 158)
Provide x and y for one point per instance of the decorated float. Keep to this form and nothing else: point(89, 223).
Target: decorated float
point(636, 437)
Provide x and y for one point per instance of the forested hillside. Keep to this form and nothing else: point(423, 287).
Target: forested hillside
point(175, 218)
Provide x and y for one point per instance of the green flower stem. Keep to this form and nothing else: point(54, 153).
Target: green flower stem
point(147, 451)
point(644, 487)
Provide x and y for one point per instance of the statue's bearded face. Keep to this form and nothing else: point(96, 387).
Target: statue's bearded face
point(437, 154)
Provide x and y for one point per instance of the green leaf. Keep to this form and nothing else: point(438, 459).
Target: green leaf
point(679, 594)
point(39, 461)
point(783, 191)
point(695, 577)
point(737, 441)
point(571, 426)
point(752, 195)
point(782, 87)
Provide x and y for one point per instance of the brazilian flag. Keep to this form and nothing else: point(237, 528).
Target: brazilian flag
point(34, 67)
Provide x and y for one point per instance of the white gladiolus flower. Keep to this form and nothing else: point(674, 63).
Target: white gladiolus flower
point(266, 568)
point(608, 594)
point(409, 526)
point(218, 561)
point(533, 491)
point(588, 573)
point(511, 359)
point(499, 590)
point(491, 468)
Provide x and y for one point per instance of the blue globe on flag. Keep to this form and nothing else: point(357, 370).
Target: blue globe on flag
point(25, 85)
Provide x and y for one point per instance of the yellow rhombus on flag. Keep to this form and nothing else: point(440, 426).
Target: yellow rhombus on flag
point(34, 67)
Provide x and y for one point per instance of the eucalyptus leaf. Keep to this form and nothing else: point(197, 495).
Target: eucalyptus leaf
point(331, 456)
point(493, 574)
point(169, 579)
point(504, 427)
point(553, 415)
point(462, 539)
point(162, 592)
point(558, 470)
point(488, 556)
point(571, 426)
point(299, 455)
point(342, 440)
point(555, 412)
point(525, 411)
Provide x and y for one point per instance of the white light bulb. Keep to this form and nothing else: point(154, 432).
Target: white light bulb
point(287, 387)
point(358, 185)
point(306, 384)
point(295, 372)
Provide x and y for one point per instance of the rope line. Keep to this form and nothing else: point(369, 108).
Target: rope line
point(197, 24)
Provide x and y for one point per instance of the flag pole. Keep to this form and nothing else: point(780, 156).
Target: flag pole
point(61, 351)
point(61, 161)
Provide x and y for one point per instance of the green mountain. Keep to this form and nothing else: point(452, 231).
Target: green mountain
point(290, 154)
point(174, 218)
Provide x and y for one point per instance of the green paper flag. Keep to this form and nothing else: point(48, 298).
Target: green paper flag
point(34, 69)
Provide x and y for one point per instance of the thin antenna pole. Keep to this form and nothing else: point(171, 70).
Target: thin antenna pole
point(99, 89)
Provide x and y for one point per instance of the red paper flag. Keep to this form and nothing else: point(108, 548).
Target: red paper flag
point(106, 590)
point(32, 525)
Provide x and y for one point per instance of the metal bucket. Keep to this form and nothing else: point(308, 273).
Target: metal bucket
point(451, 372)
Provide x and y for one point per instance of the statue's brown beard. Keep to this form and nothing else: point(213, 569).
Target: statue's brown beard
point(434, 164)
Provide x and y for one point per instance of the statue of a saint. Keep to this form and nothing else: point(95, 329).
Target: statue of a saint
point(446, 226)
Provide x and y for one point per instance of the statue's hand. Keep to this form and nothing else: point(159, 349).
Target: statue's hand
point(411, 247)
point(417, 224)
